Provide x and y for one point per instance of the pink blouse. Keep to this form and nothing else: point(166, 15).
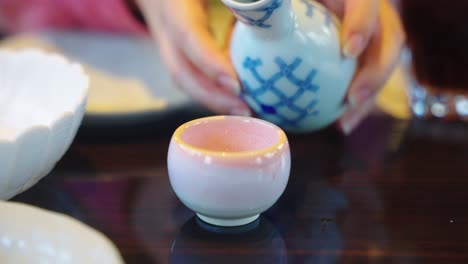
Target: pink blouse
point(34, 15)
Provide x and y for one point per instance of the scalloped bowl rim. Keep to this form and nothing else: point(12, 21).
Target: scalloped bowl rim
point(78, 71)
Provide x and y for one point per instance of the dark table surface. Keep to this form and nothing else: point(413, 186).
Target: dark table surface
point(392, 192)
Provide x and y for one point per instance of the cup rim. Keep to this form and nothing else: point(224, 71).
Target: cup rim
point(278, 145)
point(246, 6)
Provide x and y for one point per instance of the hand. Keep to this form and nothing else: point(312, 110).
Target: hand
point(373, 33)
point(196, 64)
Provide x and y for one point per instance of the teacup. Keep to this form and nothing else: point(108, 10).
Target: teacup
point(229, 169)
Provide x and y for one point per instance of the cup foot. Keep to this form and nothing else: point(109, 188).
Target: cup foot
point(228, 222)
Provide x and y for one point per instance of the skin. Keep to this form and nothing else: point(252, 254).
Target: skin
point(371, 32)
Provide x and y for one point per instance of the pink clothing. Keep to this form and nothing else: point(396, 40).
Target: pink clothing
point(34, 15)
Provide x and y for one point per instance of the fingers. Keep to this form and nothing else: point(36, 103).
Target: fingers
point(196, 84)
point(359, 23)
point(376, 65)
point(198, 66)
point(190, 30)
point(335, 6)
point(380, 57)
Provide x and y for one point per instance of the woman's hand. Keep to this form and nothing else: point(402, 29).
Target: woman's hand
point(372, 33)
point(197, 65)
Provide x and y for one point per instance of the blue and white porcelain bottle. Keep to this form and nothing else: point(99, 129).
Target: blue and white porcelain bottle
point(287, 55)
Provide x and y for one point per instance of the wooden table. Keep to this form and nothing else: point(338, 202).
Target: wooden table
point(392, 192)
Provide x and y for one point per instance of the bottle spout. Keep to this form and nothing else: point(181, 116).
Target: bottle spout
point(270, 16)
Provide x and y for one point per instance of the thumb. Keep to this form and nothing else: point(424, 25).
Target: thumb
point(359, 23)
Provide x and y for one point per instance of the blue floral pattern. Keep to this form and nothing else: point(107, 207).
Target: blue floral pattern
point(260, 22)
point(328, 19)
point(287, 110)
point(309, 8)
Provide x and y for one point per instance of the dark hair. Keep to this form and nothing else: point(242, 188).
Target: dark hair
point(437, 33)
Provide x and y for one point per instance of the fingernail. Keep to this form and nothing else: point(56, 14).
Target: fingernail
point(346, 129)
point(348, 125)
point(230, 83)
point(354, 46)
point(352, 119)
point(240, 112)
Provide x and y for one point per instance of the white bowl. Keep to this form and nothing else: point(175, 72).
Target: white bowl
point(42, 103)
point(32, 235)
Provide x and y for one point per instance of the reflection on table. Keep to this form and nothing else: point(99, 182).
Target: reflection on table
point(392, 192)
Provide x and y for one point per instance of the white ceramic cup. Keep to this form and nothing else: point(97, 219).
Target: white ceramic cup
point(229, 169)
